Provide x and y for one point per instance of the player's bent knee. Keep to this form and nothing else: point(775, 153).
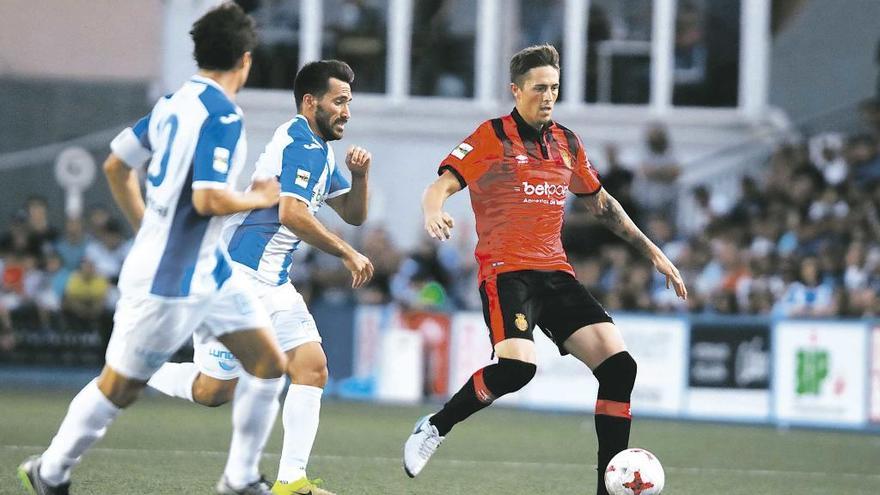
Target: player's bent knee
point(272, 366)
point(315, 376)
point(213, 392)
point(508, 376)
point(120, 390)
point(617, 373)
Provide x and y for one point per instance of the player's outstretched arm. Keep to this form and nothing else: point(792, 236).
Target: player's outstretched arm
point(126, 189)
point(352, 206)
point(438, 223)
point(295, 215)
point(218, 202)
point(609, 213)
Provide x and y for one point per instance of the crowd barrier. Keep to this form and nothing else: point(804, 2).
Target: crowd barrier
point(786, 372)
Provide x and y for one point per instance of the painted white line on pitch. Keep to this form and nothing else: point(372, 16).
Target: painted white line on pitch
point(462, 462)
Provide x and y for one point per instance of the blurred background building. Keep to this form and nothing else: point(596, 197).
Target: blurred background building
point(742, 135)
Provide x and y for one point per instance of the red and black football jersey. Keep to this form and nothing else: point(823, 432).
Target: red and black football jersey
point(518, 179)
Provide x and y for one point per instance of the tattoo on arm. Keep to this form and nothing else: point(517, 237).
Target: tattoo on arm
point(609, 213)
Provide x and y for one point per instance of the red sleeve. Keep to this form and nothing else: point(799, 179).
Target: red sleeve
point(467, 161)
point(585, 179)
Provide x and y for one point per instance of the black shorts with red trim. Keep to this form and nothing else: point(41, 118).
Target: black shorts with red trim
point(514, 302)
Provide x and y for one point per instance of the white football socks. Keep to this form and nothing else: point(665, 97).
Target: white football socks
point(175, 380)
point(87, 419)
point(253, 415)
point(300, 416)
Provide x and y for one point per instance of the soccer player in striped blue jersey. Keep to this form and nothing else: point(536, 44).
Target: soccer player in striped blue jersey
point(262, 242)
point(178, 278)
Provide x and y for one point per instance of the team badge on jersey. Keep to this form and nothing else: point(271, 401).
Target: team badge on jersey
point(221, 160)
point(302, 178)
point(462, 150)
point(521, 324)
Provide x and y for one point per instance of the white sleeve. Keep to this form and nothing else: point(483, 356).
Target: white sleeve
point(129, 148)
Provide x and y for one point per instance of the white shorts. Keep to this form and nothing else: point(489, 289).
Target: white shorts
point(291, 321)
point(147, 330)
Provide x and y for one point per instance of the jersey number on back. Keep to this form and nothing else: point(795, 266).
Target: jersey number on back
point(170, 124)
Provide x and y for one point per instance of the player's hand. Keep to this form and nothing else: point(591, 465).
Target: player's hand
point(360, 266)
point(439, 225)
point(267, 192)
point(673, 278)
point(358, 161)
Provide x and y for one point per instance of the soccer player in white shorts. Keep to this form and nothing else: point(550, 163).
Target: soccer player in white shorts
point(178, 279)
point(261, 243)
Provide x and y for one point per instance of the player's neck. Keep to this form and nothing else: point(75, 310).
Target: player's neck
point(227, 80)
point(536, 125)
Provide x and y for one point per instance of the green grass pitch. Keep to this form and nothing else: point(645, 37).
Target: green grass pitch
point(165, 446)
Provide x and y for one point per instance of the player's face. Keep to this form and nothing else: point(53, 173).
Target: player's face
point(332, 112)
point(537, 95)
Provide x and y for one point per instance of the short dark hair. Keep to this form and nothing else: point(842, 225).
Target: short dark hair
point(222, 36)
point(531, 57)
point(314, 78)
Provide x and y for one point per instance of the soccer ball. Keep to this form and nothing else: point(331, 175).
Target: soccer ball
point(634, 472)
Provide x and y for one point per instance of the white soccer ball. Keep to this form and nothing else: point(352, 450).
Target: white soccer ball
point(634, 472)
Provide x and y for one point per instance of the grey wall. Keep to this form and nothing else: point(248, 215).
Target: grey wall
point(43, 111)
point(824, 57)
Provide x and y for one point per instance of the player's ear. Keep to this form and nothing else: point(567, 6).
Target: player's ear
point(514, 89)
point(309, 100)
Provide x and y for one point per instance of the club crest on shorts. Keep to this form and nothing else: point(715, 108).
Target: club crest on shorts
point(521, 324)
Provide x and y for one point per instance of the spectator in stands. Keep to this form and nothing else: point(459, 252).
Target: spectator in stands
point(589, 273)
point(691, 55)
point(330, 280)
point(616, 259)
point(864, 160)
point(16, 268)
point(618, 180)
point(826, 153)
point(71, 248)
point(658, 171)
point(752, 202)
point(16, 240)
point(108, 253)
point(46, 290)
point(7, 337)
point(809, 296)
point(97, 219)
point(379, 248)
point(84, 298)
point(829, 206)
point(41, 235)
point(581, 234)
point(425, 276)
point(705, 212)
point(633, 292)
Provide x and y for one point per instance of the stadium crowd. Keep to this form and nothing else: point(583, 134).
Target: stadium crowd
point(802, 239)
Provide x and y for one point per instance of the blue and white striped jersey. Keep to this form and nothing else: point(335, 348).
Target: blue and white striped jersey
point(193, 138)
point(306, 168)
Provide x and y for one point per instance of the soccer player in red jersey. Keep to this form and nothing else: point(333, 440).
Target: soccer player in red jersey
point(519, 169)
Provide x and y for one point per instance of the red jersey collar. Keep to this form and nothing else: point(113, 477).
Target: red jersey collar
point(526, 131)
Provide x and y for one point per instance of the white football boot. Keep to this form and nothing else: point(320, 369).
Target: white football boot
point(420, 446)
